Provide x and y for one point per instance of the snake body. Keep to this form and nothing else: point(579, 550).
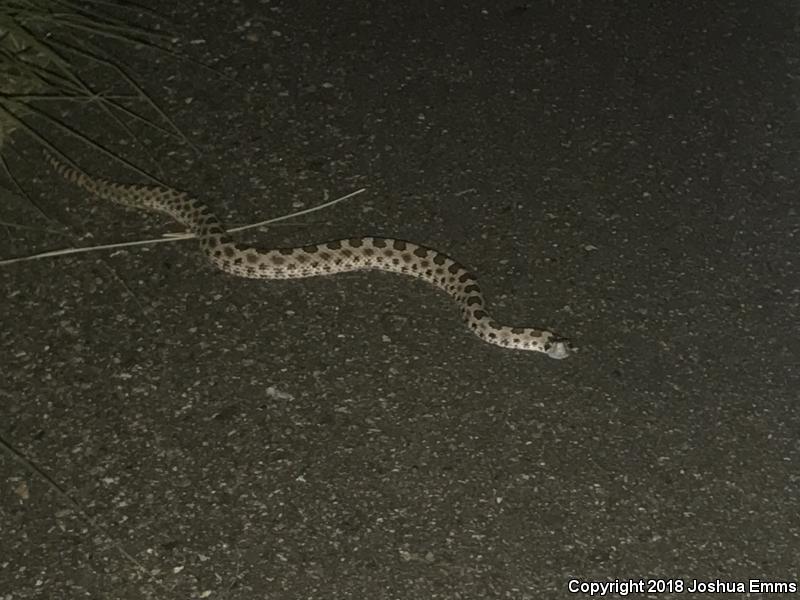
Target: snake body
point(341, 256)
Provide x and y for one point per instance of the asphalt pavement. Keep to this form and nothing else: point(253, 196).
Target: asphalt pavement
point(623, 173)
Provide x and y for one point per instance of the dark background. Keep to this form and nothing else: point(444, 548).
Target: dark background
point(623, 172)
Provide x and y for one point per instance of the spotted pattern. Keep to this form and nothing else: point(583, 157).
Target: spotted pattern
point(341, 256)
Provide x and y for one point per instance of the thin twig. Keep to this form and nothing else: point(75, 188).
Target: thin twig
point(299, 213)
point(173, 237)
point(61, 492)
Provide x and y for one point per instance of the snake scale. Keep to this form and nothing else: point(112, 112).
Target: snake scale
point(341, 256)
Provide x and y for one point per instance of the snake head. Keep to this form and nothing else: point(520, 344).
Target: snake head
point(559, 348)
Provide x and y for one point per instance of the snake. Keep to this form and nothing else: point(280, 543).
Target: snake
point(328, 258)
